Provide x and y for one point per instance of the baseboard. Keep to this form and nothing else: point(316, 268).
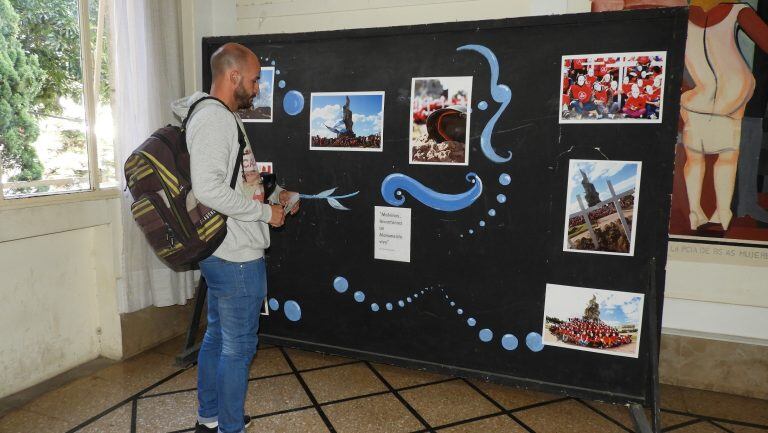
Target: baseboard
point(712, 364)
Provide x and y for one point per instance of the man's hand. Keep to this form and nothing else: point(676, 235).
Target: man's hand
point(278, 216)
point(286, 197)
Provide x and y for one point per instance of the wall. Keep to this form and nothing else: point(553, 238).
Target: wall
point(59, 307)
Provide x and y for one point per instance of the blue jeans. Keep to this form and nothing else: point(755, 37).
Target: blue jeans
point(236, 292)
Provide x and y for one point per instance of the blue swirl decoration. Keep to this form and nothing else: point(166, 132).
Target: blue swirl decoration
point(393, 186)
point(501, 93)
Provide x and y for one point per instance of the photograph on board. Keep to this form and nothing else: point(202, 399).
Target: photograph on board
point(261, 105)
point(347, 121)
point(439, 120)
point(593, 320)
point(601, 205)
point(612, 88)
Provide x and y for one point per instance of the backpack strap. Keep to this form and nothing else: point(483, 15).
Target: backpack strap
point(240, 136)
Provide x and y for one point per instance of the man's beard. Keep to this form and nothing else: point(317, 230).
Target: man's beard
point(242, 98)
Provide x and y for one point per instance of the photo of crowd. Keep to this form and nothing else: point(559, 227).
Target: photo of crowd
point(261, 105)
point(594, 320)
point(601, 205)
point(616, 88)
point(439, 120)
point(352, 121)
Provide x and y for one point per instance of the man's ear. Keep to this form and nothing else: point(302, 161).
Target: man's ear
point(234, 77)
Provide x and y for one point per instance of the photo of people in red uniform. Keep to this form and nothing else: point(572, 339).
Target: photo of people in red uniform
point(593, 320)
point(616, 88)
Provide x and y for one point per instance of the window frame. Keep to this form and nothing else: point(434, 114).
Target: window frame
point(90, 70)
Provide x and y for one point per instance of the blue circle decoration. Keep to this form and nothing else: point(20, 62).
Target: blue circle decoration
point(471, 231)
point(274, 305)
point(374, 307)
point(471, 321)
point(281, 84)
point(389, 306)
point(482, 105)
point(292, 311)
point(501, 198)
point(415, 295)
point(482, 223)
point(486, 335)
point(401, 303)
point(293, 102)
point(460, 311)
point(505, 179)
point(453, 304)
point(491, 212)
point(409, 299)
point(340, 284)
point(533, 341)
point(509, 342)
point(272, 63)
point(277, 72)
point(359, 296)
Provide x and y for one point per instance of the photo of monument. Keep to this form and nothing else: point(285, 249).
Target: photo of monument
point(601, 206)
point(261, 105)
point(593, 320)
point(351, 121)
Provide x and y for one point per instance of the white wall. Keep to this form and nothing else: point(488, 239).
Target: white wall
point(59, 306)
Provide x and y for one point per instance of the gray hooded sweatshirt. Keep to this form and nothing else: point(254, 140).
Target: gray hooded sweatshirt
point(213, 145)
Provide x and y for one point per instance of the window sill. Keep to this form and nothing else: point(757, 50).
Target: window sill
point(54, 199)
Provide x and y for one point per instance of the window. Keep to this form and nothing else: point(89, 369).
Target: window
point(55, 113)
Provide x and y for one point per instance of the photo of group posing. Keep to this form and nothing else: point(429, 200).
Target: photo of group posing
point(613, 88)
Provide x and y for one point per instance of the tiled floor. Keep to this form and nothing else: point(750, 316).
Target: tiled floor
point(304, 392)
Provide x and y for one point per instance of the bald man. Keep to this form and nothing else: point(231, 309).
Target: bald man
point(236, 275)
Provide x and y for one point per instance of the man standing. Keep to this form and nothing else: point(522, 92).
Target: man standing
point(235, 273)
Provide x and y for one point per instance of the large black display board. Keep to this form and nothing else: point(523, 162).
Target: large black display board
point(496, 275)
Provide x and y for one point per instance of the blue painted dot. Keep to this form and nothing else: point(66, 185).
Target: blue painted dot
point(505, 179)
point(272, 63)
point(509, 342)
point(415, 295)
point(482, 223)
point(359, 296)
point(401, 303)
point(409, 299)
point(422, 292)
point(482, 105)
point(501, 198)
point(453, 304)
point(486, 335)
point(277, 72)
point(446, 296)
point(471, 231)
point(471, 321)
point(389, 306)
point(533, 341)
point(460, 311)
point(293, 102)
point(281, 84)
point(340, 284)
point(374, 307)
point(274, 305)
point(492, 212)
point(292, 311)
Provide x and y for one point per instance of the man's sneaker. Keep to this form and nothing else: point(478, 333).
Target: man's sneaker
point(199, 428)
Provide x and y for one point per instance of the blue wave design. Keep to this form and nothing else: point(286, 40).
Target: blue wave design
point(500, 93)
point(393, 186)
